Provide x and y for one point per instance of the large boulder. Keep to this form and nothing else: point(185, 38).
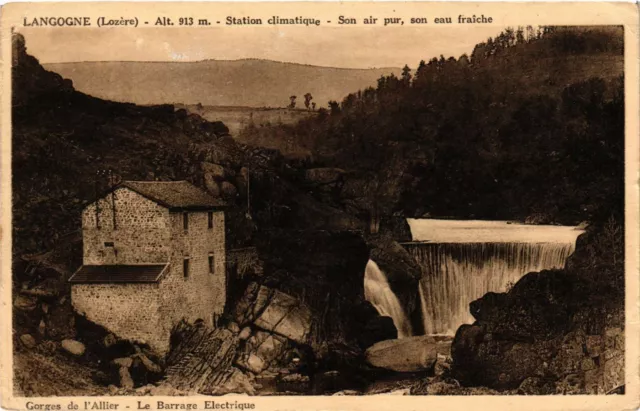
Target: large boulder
point(274, 311)
point(28, 341)
point(73, 347)
point(25, 302)
point(260, 351)
point(407, 354)
point(325, 269)
point(215, 171)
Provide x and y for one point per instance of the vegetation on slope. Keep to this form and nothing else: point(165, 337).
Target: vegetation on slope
point(529, 127)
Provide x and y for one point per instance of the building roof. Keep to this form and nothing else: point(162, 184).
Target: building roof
point(175, 195)
point(111, 274)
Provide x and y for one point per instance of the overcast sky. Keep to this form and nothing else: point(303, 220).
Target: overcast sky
point(357, 47)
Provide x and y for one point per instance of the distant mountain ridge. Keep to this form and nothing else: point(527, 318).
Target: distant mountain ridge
point(247, 82)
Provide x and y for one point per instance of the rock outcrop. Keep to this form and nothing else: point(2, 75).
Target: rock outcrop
point(274, 311)
point(557, 331)
point(73, 347)
point(201, 360)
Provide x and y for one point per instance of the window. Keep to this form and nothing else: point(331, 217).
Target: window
point(108, 244)
point(210, 217)
point(185, 267)
point(185, 221)
point(211, 264)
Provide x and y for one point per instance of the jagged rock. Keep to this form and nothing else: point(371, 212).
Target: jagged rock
point(147, 363)
point(260, 351)
point(406, 354)
point(274, 311)
point(442, 365)
point(25, 303)
point(126, 381)
point(267, 346)
point(113, 390)
point(73, 347)
point(216, 171)
point(251, 362)
point(613, 373)
point(202, 358)
point(233, 327)
point(237, 383)
point(245, 333)
point(28, 341)
point(123, 362)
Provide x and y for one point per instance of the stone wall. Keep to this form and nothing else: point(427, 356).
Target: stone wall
point(142, 233)
point(147, 233)
point(202, 294)
point(131, 311)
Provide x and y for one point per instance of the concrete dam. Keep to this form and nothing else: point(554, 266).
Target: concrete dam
point(463, 260)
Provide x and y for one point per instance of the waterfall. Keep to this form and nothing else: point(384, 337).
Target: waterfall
point(455, 274)
point(462, 260)
point(378, 292)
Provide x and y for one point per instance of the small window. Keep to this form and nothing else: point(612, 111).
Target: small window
point(108, 244)
point(210, 217)
point(185, 267)
point(185, 221)
point(211, 263)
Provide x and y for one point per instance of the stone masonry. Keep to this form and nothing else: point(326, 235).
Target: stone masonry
point(151, 231)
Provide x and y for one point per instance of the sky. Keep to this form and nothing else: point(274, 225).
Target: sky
point(353, 47)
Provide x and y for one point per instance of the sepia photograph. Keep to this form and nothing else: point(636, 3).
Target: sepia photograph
point(294, 205)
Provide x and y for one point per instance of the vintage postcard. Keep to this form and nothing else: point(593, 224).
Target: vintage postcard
point(319, 206)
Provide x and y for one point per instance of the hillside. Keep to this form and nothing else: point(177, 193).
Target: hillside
point(252, 83)
point(512, 131)
point(238, 118)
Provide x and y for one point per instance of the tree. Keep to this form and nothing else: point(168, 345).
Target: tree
point(334, 107)
point(406, 74)
point(292, 104)
point(313, 106)
point(307, 100)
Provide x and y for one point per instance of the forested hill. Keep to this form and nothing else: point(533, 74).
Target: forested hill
point(530, 126)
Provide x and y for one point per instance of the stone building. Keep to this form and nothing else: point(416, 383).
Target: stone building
point(153, 254)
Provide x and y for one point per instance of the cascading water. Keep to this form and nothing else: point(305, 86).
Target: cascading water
point(378, 292)
point(463, 260)
point(456, 274)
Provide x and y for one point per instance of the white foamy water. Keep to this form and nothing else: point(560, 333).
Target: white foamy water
point(378, 292)
point(463, 260)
